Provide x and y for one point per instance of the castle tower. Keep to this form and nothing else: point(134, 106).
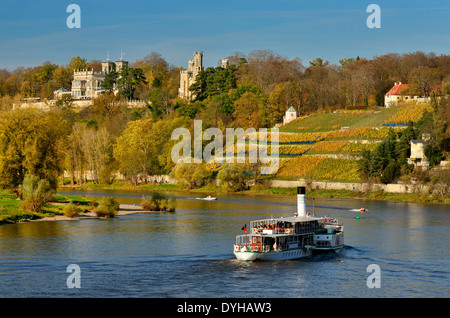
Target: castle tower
point(187, 77)
point(225, 63)
point(198, 61)
point(107, 66)
point(121, 64)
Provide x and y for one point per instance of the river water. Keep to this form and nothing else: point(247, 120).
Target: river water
point(189, 254)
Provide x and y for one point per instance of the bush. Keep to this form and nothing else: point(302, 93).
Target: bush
point(102, 212)
point(158, 202)
point(92, 204)
point(108, 207)
point(35, 193)
point(147, 204)
point(71, 210)
point(171, 205)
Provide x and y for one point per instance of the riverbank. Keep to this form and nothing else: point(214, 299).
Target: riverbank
point(11, 212)
point(288, 191)
point(124, 209)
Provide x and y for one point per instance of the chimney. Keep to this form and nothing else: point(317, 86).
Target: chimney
point(301, 204)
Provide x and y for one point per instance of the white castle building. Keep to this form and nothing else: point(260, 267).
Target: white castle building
point(88, 83)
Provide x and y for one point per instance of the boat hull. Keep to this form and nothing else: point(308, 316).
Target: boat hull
point(335, 249)
point(273, 255)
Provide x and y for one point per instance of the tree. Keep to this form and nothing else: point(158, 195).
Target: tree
point(389, 173)
point(233, 177)
point(191, 174)
point(424, 78)
point(77, 63)
point(247, 111)
point(31, 142)
point(35, 192)
point(65, 102)
point(129, 80)
point(319, 62)
point(438, 127)
point(107, 104)
point(134, 149)
point(110, 81)
point(267, 69)
point(144, 148)
point(213, 81)
point(63, 78)
point(161, 100)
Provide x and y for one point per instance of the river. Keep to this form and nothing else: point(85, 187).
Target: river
point(189, 253)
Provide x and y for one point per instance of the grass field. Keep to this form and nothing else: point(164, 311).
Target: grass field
point(374, 117)
point(326, 121)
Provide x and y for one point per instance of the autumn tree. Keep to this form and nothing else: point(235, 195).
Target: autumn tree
point(247, 111)
point(424, 78)
point(31, 142)
point(145, 147)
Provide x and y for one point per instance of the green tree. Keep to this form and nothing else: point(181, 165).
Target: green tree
point(213, 81)
point(35, 192)
point(110, 81)
point(390, 172)
point(129, 80)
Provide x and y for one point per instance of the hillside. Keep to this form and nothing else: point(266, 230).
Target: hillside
point(326, 146)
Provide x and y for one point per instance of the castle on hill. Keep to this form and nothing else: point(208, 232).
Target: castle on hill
point(188, 77)
point(88, 83)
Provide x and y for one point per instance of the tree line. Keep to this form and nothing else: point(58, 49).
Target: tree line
point(253, 91)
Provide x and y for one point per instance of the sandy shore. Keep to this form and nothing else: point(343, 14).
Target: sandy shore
point(124, 209)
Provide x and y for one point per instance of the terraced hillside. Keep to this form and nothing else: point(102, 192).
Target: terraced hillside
point(326, 146)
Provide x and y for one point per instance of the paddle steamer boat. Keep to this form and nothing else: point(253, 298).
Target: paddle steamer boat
point(292, 237)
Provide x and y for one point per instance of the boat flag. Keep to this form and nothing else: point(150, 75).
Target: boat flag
point(244, 228)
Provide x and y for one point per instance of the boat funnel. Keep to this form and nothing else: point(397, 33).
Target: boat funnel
point(301, 203)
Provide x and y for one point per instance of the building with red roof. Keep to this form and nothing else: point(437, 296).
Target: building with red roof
point(405, 92)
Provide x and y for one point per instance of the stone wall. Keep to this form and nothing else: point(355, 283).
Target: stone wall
point(360, 187)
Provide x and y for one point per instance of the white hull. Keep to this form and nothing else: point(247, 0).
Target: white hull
point(336, 249)
point(207, 199)
point(273, 255)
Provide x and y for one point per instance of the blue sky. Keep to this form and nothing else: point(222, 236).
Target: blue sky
point(32, 32)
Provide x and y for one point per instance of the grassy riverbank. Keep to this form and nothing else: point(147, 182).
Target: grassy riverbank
point(11, 212)
point(336, 194)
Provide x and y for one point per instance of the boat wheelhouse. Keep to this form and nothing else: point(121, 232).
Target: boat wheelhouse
point(292, 237)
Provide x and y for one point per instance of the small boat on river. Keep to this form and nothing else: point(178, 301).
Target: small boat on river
point(208, 198)
point(285, 238)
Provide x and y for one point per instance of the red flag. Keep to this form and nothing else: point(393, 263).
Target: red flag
point(244, 228)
